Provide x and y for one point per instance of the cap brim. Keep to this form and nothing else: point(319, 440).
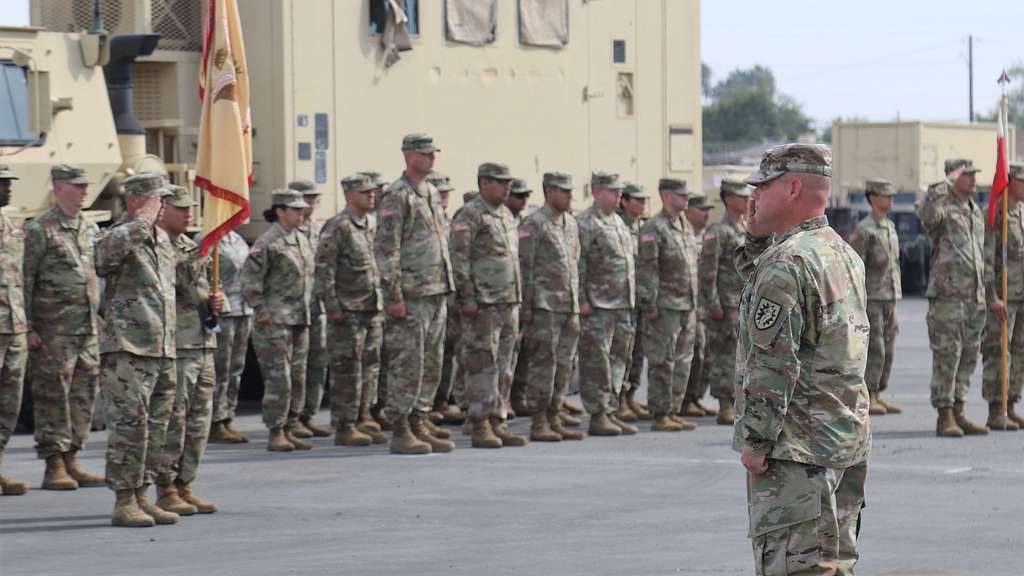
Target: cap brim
point(972, 170)
point(182, 204)
point(297, 204)
point(522, 193)
point(762, 177)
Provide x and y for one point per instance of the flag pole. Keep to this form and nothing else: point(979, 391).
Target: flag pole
point(215, 263)
point(1004, 339)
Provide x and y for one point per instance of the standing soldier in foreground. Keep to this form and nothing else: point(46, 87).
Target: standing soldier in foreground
point(411, 249)
point(62, 297)
point(348, 284)
point(696, 212)
point(13, 350)
point(632, 208)
point(444, 409)
point(316, 362)
point(137, 347)
point(667, 287)
point(956, 293)
point(720, 287)
point(876, 241)
point(802, 411)
point(516, 203)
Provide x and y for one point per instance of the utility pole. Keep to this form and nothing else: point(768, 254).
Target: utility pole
point(970, 77)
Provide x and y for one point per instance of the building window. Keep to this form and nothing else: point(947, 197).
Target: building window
point(618, 51)
point(379, 15)
point(14, 120)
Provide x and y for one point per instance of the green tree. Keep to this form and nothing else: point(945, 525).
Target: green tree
point(745, 108)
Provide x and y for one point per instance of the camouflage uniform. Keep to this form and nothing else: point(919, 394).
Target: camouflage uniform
point(347, 281)
point(801, 398)
point(450, 362)
point(62, 297)
point(277, 281)
point(720, 287)
point(956, 290)
point(635, 366)
point(696, 385)
point(411, 249)
point(318, 358)
point(990, 351)
point(485, 261)
point(13, 349)
point(235, 328)
point(607, 272)
point(137, 343)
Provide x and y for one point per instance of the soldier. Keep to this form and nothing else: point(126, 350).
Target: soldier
point(62, 297)
point(137, 348)
point(632, 208)
point(518, 196)
point(232, 342)
point(444, 410)
point(316, 362)
point(802, 410)
point(549, 251)
point(411, 249)
point(696, 214)
point(720, 287)
point(667, 287)
point(956, 293)
point(488, 284)
point(876, 241)
point(607, 298)
point(377, 409)
point(277, 281)
point(13, 349)
point(1009, 311)
point(195, 310)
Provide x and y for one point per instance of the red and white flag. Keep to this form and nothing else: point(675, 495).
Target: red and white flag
point(1002, 178)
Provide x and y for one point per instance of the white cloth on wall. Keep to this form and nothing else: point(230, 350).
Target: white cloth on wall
point(471, 21)
point(544, 22)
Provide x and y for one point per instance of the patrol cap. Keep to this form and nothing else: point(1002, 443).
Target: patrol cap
point(287, 198)
point(6, 174)
point(955, 163)
point(735, 187)
point(494, 171)
point(699, 200)
point(376, 178)
point(357, 182)
point(673, 185)
point(1017, 170)
point(520, 188)
point(305, 186)
point(636, 191)
point(420, 143)
point(440, 181)
point(558, 180)
point(879, 186)
point(70, 173)
point(799, 158)
point(609, 180)
point(179, 196)
point(468, 197)
point(145, 184)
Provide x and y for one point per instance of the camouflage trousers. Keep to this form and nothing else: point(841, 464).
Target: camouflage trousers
point(488, 347)
point(991, 385)
point(65, 380)
point(316, 365)
point(719, 370)
point(189, 427)
point(13, 355)
point(881, 342)
point(635, 369)
point(696, 384)
point(550, 347)
point(954, 331)
point(450, 363)
point(804, 518)
point(281, 350)
point(415, 347)
point(606, 341)
point(355, 363)
point(668, 345)
point(139, 392)
point(229, 363)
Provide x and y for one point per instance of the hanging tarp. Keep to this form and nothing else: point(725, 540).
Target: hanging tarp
point(471, 21)
point(395, 38)
point(544, 22)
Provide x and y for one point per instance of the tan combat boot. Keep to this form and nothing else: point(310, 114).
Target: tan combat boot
point(520, 406)
point(946, 425)
point(404, 442)
point(555, 421)
point(382, 419)
point(890, 408)
point(127, 512)
point(876, 408)
point(508, 439)
point(298, 430)
point(434, 417)
point(203, 506)
point(663, 423)
point(997, 420)
point(627, 429)
point(298, 443)
point(238, 437)
point(540, 429)
point(686, 424)
point(56, 476)
point(349, 435)
point(467, 427)
point(317, 430)
point(167, 497)
point(278, 442)
point(9, 487)
point(1012, 414)
point(571, 408)
point(708, 411)
point(691, 409)
point(160, 515)
point(435, 430)
point(624, 412)
point(969, 428)
point(483, 435)
point(372, 429)
point(638, 408)
point(451, 414)
point(83, 477)
point(602, 425)
point(726, 415)
point(417, 423)
point(568, 419)
point(219, 434)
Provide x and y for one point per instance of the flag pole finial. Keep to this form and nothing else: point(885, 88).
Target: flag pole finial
point(1004, 78)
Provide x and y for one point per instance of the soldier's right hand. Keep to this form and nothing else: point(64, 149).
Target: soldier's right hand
point(265, 320)
point(998, 307)
point(651, 314)
point(397, 310)
point(337, 317)
point(35, 342)
point(150, 210)
point(717, 313)
point(585, 309)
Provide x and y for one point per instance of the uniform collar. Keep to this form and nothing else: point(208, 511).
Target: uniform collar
point(806, 225)
point(355, 220)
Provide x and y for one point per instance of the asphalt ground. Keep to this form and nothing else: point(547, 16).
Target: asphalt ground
point(655, 503)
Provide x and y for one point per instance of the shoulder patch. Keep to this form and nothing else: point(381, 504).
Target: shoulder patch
point(709, 236)
point(460, 227)
point(256, 249)
point(385, 212)
point(647, 237)
point(524, 233)
point(766, 313)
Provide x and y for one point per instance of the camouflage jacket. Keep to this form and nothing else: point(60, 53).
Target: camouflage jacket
point(12, 295)
point(1014, 257)
point(346, 272)
point(957, 232)
point(277, 278)
point(549, 252)
point(311, 230)
point(485, 255)
point(634, 230)
point(607, 265)
point(802, 349)
point(192, 289)
point(62, 292)
point(137, 262)
point(411, 245)
point(720, 283)
point(879, 246)
point(233, 252)
point(667, 275)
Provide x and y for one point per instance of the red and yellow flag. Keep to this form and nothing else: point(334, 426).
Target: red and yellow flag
point(224, 162)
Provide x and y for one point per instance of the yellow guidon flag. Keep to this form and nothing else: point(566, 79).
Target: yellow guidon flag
point(224, 162)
